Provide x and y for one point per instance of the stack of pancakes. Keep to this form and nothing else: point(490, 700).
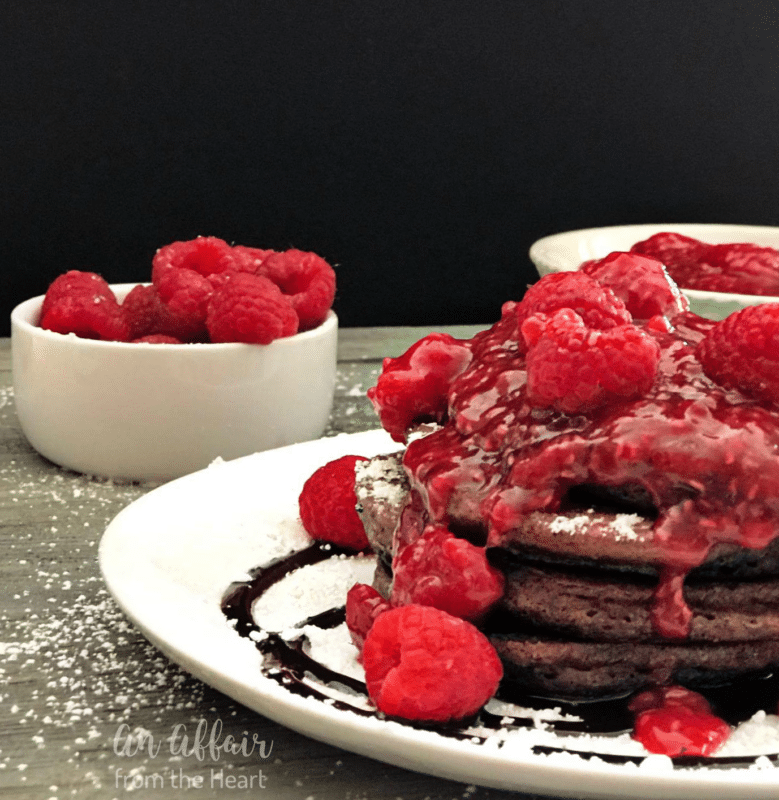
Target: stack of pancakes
point(575, 621)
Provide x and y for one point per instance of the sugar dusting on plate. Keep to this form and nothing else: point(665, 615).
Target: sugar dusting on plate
point(313, 589)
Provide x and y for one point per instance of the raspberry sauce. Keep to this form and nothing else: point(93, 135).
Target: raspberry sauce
point(706, 457)
point(675, 722)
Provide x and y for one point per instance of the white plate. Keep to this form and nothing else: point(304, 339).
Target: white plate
point(170, 556)
point(564, 252)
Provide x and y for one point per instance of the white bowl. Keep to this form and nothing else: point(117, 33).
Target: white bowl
point(564, 252)
point(159, 411)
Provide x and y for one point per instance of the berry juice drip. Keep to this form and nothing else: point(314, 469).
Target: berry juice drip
point(675, 722)
point(706, 457)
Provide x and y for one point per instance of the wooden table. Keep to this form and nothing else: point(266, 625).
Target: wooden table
point(73, 671)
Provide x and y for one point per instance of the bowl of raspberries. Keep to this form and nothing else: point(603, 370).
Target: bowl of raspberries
point(720, 268)
point(226, 351)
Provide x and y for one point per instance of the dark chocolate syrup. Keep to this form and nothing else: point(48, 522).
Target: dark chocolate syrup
point(287, 662)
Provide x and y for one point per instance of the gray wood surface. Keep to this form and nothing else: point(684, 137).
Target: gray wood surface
point(74, 672)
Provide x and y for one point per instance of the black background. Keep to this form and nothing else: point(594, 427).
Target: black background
point(421, 147)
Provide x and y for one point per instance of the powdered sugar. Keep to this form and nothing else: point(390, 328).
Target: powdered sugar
point(66, 647)
point(310, 590)
point(621, 527)
point(382, 479)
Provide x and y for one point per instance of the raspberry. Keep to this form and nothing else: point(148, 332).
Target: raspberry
point(414, 386)
point(147, 315)
point(75, 282)
point(363, 605)
point(327, 505)
point(680, 254)
point(158, 338)
point(204, 255)
point(742, 352)
point(83, 303)
point(597, 305)
point(249, 259)
point(249, 308)
point(424, 664)
point(674, 721)
point(743, 268)
point(452, 574)
point(574, 369)
point(641, 283)
point(306, 279)
point(186, 293)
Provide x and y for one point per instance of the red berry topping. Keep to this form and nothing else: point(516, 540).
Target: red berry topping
point(204, 255)
point(306, 279)
point(363, 605)
point(83, 303)
point(740, 268)
point(424, 664)
point(574, 369)
point(414, 386)
point(641, 283)
point(674, 721)
point(597, 305)
point(670, 248)
point(328, 505)
point(249, 308)
point(742, 352)
point(446, 572)
point(680, 254)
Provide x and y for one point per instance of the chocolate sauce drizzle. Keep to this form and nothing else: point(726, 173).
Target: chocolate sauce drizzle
point(286, 661)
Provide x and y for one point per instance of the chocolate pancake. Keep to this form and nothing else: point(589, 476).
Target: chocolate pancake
point(575, 620)
point(636, 519)
point(571, 637)
point(382, 490)
point(573, 670)
point(592, 607)
point(612, 532)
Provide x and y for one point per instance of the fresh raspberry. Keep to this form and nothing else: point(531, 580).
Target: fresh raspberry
point(249, 308)
point(574, 369)
point(83, 303)
point(742, 352)
point(675, 721)
point(157, 338)
point(597, 305)
point(452, 574)
point(75, 282)
point(414, 386)
point(249, 259)
point(424, 664)
point(640, 282)
point(328, 503)
point(205, 255)
point(147, 315)
point(363, 605)
point(186, 293)
point(306, 279)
